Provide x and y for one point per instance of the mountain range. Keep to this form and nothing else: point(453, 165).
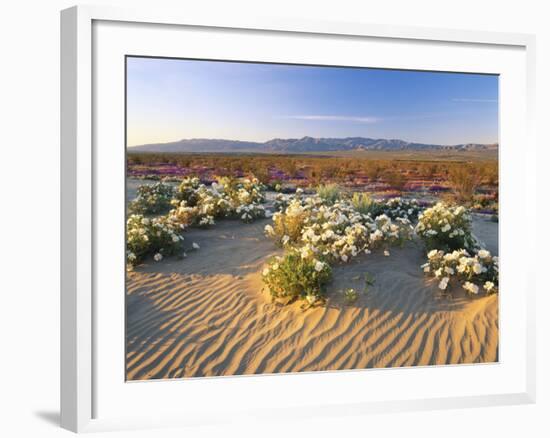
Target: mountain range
point(300, 145)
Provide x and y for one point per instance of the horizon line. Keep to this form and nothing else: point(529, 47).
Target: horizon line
point(308, 136)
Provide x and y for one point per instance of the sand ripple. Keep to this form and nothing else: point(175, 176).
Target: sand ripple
point(206, 315)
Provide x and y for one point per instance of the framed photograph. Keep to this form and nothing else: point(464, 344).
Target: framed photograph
point(288, 218)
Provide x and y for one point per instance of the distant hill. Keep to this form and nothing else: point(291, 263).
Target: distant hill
point(304, 144)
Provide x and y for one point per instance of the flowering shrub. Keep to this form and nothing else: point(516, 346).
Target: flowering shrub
point(239, 192)
point(206, 206)
point(393, 207)
point(186, 191)
point(388, 233)
point(288, 224)
point(205, 221)
point(341, 241)
point(312, 228)
point(281, 202)
point(186, 216)
point(183, 214)
point(212, 203)
point(146, 236)
point(446, 228)
point(249, 213)
point(293, 277)
point(401, 207)
point(474, 273)
point(197, 205)
point(192, 204)
point(336, 232)
point(152, 198)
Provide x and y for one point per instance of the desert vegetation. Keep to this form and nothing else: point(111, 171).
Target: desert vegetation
point(320, 231)
point(255, 248)
point(219, 252)
point(193, 204)
point(317, 227)
point(471, 181)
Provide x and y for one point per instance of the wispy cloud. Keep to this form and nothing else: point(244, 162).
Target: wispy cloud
point(333, 118)
point(467, 99)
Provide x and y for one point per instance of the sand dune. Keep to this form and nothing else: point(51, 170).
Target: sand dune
point(207, 315)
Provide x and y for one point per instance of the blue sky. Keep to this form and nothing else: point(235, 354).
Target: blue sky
point(173, 99)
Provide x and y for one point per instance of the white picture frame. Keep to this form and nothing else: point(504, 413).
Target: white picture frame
point(82, 372)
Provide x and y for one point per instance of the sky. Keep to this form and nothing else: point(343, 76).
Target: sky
point(174, 99)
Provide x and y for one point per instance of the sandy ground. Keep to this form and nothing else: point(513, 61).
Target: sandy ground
point(206, 315)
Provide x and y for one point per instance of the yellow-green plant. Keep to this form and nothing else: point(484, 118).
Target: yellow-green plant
point(330, 193)
point(292, 277)
point(350, 295)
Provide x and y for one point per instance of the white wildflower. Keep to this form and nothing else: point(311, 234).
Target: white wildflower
point(311, 299)
point(483, 254)
point(471, 287)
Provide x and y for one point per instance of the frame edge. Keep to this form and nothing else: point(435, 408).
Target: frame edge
point(75, 213)
point(76, 184)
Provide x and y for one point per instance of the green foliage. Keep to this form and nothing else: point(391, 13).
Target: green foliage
point(187, 190)
point(288, 225)
point(402, 207)
point(146, 237)
point(446, 228)
point(152, 199)
point(393, 208)
point(474, 273)
point(251, 212)
point(350, 296)
point(369, 280)
point(337, 231)
point(363, 203)
point(293, 277)
point(193, 204)
point(199, 205)
point(330, 193)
